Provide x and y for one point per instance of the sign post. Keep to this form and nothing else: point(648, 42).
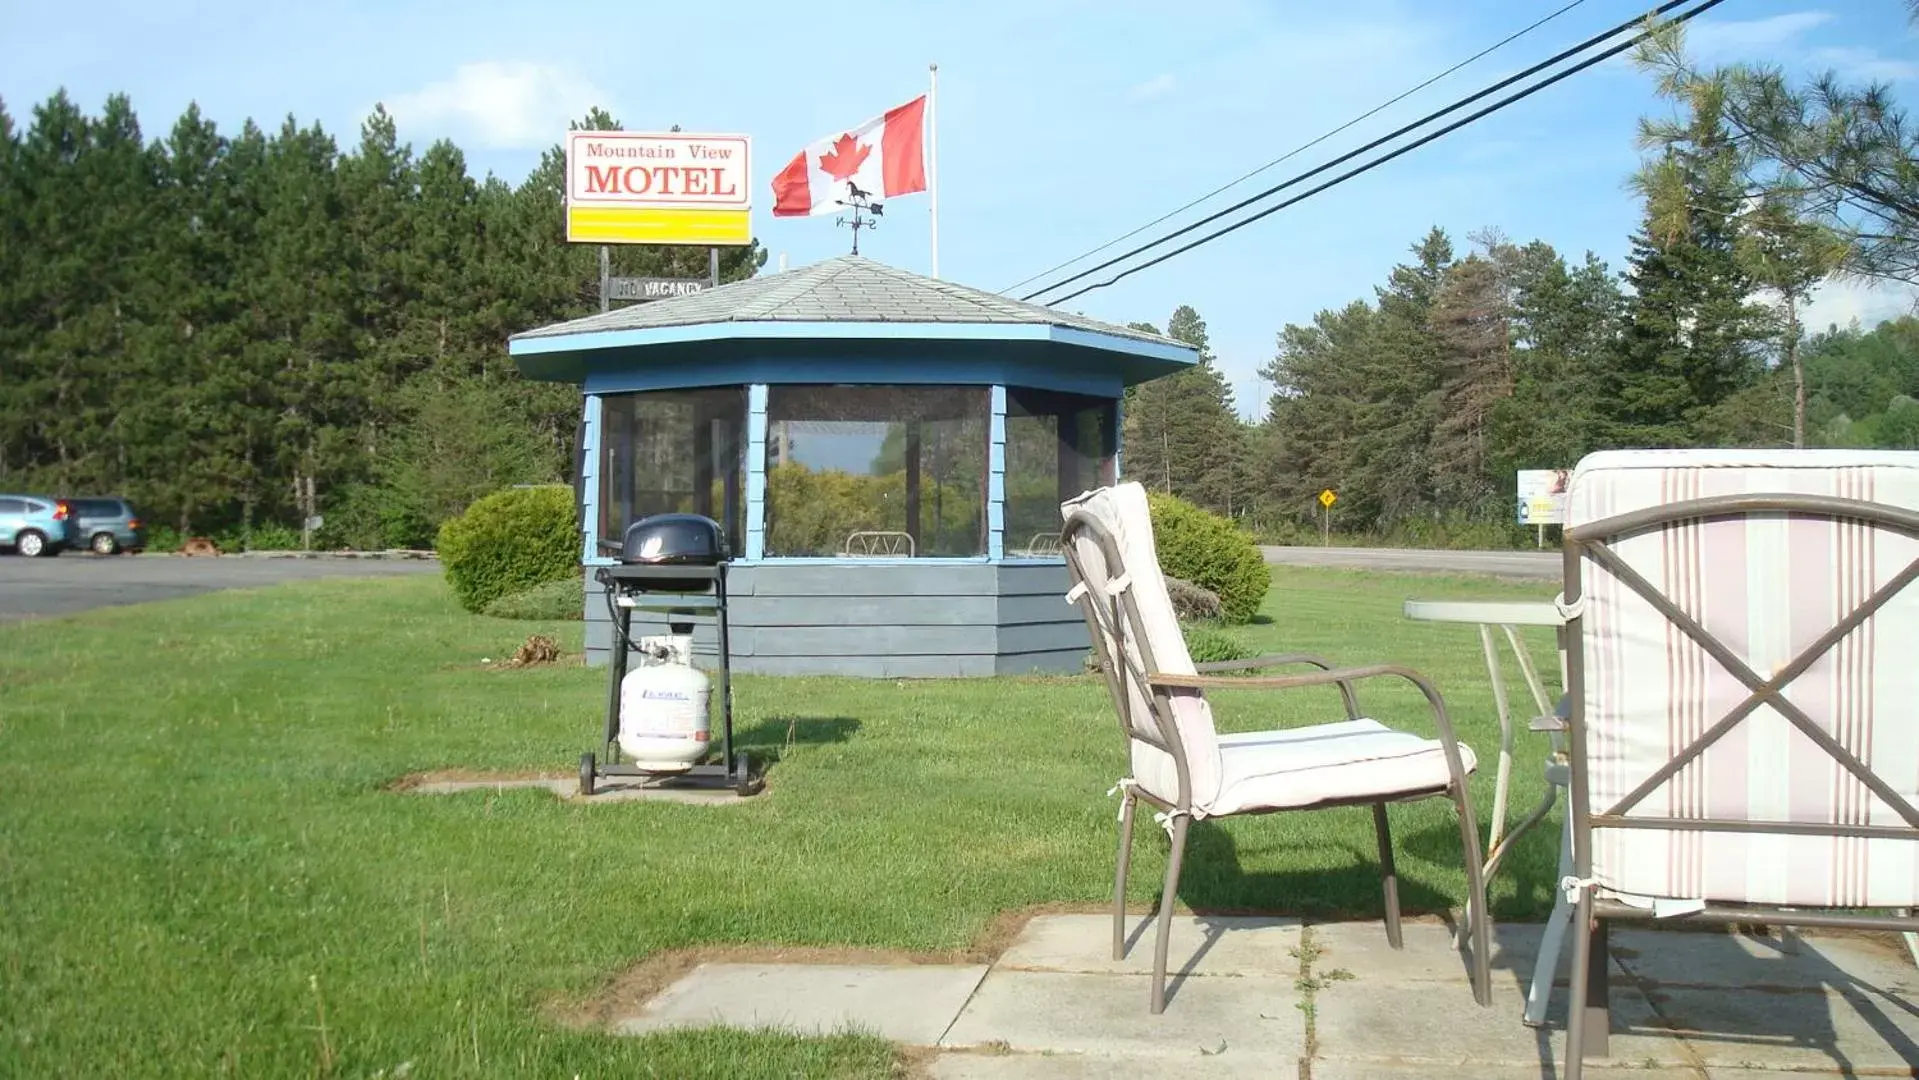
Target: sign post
point(1326, 500)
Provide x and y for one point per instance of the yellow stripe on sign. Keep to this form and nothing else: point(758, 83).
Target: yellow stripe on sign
point(652, 225)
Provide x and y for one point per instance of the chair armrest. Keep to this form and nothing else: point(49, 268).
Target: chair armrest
point(1347, 694)
point(1271, 660)
point(1342, 677)
point(1325, 677)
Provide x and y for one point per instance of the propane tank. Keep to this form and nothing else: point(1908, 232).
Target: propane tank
point(665, 721)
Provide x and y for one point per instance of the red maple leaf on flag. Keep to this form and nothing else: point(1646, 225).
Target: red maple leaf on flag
point(844, 160)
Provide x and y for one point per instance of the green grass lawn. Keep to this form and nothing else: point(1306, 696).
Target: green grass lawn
point(198, 856)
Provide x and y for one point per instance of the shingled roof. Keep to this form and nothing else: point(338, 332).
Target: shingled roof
point(848, 289)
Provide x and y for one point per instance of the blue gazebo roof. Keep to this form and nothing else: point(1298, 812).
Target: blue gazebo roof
point(850, 308)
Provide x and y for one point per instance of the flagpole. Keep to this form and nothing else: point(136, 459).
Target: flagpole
point(933, 156)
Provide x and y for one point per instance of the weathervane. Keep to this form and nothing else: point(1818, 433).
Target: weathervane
point(862, 203)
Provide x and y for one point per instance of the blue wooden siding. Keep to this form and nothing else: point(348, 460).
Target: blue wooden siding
point(894, 620)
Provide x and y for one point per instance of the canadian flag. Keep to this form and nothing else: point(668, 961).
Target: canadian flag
point(883, 157)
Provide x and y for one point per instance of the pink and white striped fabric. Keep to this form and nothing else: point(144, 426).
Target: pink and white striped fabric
point(1767, 587)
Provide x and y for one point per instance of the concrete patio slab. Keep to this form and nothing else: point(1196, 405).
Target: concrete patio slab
point(1221, 1021)
point(1376, 1070)
point(1369, 1020)
point(912, 1004)
point(1781, 959)
point(968, 1066)
point(1793, 1030)
point(1428, 956)
point(1201, 946)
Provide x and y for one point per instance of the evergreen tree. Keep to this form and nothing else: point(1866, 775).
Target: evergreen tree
point(1691, 332)
point(1181, 433)
point(1399, 379)
point(1472, 321)
point(1566, 327)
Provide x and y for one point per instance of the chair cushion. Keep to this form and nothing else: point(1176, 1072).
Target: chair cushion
point(1123, 512)
point(1352, 759)
point(1767, 587)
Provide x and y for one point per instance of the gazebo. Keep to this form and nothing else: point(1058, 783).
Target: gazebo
point(886, 451)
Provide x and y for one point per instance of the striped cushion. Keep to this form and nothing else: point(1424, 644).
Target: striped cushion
point(1767, 587)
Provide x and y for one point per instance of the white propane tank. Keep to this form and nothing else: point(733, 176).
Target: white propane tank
point(665, 719)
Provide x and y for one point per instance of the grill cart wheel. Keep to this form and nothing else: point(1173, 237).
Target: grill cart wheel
point(586, 773)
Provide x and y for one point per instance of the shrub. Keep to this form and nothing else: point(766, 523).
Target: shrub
point(1190, 602)
point(271, 536)
point(509, 542)
point(562, 599)
point(1209, 551)
point(1209, 645)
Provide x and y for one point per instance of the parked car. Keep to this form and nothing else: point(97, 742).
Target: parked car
point(107, 525)
point(35, 524)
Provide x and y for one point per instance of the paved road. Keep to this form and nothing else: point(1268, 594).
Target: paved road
point(77, 582)
point(1519, 564)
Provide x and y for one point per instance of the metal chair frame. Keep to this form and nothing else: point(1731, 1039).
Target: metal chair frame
point(1588, 1017)
point(1121, 618)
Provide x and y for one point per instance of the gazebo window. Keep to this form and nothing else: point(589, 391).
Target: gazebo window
point(1057, 445)
point(673, 451)
point(876, 471)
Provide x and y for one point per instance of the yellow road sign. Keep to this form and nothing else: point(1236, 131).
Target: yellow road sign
point(1327, 498)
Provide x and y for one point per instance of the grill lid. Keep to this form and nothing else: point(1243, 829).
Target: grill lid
point(674, 540)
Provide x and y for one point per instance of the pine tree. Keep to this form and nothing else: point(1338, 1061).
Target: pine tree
point(1401, 375)
point(1566, 326)
point(1691, 333)
point(1472, 320)
point(1181, 433)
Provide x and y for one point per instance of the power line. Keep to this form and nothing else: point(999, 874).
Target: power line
point(1349, 155)
point(1350, 173)
point(1294, 152)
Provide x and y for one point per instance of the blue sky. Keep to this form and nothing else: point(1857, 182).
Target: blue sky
point(1062, 123)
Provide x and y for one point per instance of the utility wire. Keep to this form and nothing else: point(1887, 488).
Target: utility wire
point(1421, 122)
point(1294, 152)
point(1349, 174)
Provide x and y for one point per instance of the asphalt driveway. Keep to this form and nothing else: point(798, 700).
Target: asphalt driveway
point(79, 582)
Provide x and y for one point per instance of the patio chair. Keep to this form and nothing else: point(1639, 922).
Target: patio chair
point(1182, 767)
point(1742, 635)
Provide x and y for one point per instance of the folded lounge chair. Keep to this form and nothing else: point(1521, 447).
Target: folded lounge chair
point(1182, 767)
point(1743, 661)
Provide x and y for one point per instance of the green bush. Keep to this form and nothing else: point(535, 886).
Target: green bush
point(562, 599)
point(272, 536)
point(1209, 645)
point(1211, 552)
point(509, 542)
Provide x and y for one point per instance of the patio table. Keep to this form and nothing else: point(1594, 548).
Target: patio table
point(1506, 617)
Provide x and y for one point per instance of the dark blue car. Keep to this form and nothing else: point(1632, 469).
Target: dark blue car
point(107, 525)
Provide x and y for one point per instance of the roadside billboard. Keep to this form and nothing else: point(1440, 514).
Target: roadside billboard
point(631, 187)
point(1542, 496)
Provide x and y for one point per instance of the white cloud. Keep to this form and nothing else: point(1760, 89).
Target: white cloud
point(1717, 41)
point(1863, 63)
point(1838, 303)
point(1157, 86)
point(509, 105)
